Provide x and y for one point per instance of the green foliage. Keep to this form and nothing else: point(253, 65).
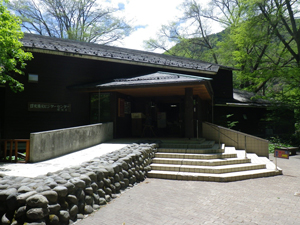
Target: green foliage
point(231, 124)
point(276, 142)
point(194, 49)
point(226, 121)
point(12, 57)
point(82, 20)
point(191, 33)
point(261, 55)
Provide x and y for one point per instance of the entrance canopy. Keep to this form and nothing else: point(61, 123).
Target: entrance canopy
point(159, 84)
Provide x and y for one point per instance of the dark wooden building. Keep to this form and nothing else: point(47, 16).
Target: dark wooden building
point(249, 113)
point(70, 83)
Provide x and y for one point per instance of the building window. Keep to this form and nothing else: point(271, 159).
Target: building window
point(100, 110)
point(33, 78)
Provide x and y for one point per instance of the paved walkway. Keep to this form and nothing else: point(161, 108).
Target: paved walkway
point(263, 201)
point(59, 163)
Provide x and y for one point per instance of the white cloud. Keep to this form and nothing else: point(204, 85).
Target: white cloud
point(147, 16)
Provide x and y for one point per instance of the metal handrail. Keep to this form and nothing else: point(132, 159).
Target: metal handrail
point(219, 132)
point(14, 143)
point(219, 136)
point(236, 139)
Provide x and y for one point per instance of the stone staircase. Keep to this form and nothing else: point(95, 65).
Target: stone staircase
point(202, 160)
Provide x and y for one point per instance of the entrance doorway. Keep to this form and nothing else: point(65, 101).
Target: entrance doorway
point(162, 117)
point(165, 99)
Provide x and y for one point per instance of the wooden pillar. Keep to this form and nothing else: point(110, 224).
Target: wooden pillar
point(199, 113)
point(188, 113)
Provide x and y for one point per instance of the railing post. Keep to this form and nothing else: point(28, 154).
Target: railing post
point(5, 150)
point(16, 151)
point(10, 150)
point(276, 168)
point(27, 150)
point(245, 147)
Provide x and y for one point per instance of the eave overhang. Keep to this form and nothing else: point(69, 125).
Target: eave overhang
point(200, 89)
point(155, 85)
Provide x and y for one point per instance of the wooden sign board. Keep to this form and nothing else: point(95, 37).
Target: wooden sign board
point(278, 153)
point(49, 107)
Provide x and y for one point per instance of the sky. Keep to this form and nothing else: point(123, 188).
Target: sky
point(146, 17)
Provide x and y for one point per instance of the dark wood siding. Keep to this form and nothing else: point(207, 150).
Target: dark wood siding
point(222, 84)
point(57, 74)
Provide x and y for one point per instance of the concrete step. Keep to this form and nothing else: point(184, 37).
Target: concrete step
point(200, 162)
point(208, 169)
point(225, 177)
point(192, 151)
point(212, 150)
point(184, 145)
point(195, 156)
point(184, 141)
point(256, 159)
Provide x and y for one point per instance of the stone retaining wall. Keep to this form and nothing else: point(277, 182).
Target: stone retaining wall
point(65, 196)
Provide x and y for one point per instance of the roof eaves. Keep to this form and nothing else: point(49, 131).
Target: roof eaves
point(140, 85)
point(50, 45)
point(154, 79)
point(247, 105)
point(123, 61)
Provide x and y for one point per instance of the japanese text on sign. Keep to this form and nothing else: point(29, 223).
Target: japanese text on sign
point(281, 154)
point(49, 107)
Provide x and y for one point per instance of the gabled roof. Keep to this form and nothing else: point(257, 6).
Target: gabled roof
point(154, 79)
point(51, 45)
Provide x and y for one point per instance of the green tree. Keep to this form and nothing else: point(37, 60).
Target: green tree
point(12, 57)
point(267, 52)
point(82, 20)
point(261, 39)
point(257, 53)
point(191, 33)
point(282, 16)
point(267, 43)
